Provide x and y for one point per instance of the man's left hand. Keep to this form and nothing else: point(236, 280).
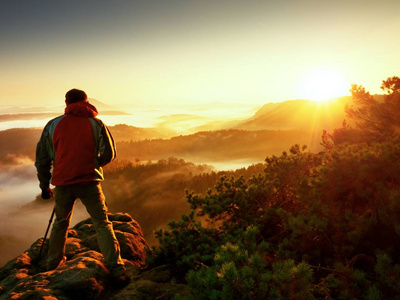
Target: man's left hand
point(47, 193)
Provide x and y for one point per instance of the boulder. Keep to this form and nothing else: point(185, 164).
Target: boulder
point(84, 275)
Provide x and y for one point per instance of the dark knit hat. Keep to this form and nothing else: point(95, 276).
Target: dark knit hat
point(75, 95)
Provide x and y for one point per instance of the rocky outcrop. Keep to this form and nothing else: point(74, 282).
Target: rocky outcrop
point(84, 275)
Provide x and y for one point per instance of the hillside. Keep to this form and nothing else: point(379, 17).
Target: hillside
point(218, 146)
point(17, 144)
point(123, 132)
point(299, 115)
point(154, 193)
point(20, 143)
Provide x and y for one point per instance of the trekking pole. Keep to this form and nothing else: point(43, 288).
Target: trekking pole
point(45, 235)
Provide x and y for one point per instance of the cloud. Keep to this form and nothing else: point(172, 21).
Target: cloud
point(21, 170)
point(20, 227)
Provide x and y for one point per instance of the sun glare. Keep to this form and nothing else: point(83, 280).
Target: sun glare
point(322, 85)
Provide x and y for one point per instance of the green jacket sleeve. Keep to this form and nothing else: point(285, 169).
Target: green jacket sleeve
point(43, 161)
point(107, 148)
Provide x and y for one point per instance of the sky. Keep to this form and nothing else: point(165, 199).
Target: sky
point(180, 52)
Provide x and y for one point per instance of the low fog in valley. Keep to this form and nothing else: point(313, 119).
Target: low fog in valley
point(21, 223)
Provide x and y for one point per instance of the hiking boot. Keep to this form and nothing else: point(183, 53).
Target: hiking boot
point(121, 280)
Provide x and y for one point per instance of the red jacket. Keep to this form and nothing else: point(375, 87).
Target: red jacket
point(77, 145)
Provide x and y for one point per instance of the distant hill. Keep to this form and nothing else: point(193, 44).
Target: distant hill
point(18, 143)
point(151, 144)
point(220, 145)
point(105, 109)
point(122, 132)
point(99, 105)
point(298, 115)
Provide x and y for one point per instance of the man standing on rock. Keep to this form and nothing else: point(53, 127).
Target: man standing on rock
point(77, 145)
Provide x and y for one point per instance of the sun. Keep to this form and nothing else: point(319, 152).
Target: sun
point(324, 84)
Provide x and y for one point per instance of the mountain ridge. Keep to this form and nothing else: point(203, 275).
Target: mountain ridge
point(298, 114)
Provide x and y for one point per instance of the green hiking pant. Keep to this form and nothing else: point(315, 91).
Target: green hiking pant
point(93, 198)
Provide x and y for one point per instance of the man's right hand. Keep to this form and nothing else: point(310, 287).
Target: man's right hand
point(47, 193)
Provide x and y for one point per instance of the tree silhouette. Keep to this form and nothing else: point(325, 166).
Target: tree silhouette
point(376, 120)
